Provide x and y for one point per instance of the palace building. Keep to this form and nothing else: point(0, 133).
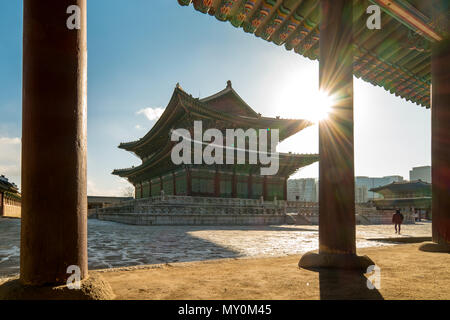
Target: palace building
point(408, 196)
point(10, 199)
point(223, 110)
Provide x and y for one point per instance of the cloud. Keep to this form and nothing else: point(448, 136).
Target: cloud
point(139, 127)
point(10, 149)
point(118, 188)
point(10, 157)
point(151, 113)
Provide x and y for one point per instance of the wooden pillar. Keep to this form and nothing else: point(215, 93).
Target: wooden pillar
point(440, 136)
point(188, 182)
point(265, 188)
point(250, 185)
point(285, 188)
point(174, 184)
point(54, 200)
point(217, 184)
point(234, 185)
point(337, 234)
point(1, 204)
point(336, 164)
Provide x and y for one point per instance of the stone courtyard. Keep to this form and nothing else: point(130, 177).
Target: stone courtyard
point(116, 245)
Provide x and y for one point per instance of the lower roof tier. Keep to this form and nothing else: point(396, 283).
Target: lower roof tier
point(288, 164)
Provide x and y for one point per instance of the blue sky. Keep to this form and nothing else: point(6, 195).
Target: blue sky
point(139, 49)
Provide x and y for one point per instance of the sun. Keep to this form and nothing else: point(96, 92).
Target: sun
point(301, 99)
point(320, 107)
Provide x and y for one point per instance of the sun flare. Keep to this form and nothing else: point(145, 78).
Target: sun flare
point(320, 107)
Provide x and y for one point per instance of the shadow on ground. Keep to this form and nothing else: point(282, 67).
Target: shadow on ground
point(345, 285)
point(434, 247)
point(113, 244)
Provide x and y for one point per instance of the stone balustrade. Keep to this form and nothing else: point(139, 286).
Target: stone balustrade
point(197, 209)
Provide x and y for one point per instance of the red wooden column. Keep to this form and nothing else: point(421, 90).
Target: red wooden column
point(440, 135)
point(265, 188)
point(336, 164)
point(1, 204)
point(174, 184)
point(234, 185)
point(188, 182)
point(250, 185)
point(54, 201)
point(337, 235)
point(217, 184)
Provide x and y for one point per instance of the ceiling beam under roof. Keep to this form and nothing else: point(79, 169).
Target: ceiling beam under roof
point(410, 17)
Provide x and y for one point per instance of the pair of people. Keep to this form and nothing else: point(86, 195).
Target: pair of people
point(397, 220)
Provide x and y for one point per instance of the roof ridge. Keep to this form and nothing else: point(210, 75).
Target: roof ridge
point(228, 89)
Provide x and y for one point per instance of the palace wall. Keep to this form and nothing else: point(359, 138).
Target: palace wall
point(10, 207)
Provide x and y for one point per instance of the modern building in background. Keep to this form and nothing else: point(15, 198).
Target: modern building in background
point(374, 182)
point(303, 190)
point(361, 194)
point(307, 190)
point(420, 173)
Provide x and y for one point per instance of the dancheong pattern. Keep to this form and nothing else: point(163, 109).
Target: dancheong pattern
point(396, 57)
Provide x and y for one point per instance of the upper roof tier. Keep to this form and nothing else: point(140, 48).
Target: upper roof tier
point(396, 57)
point(225, 107)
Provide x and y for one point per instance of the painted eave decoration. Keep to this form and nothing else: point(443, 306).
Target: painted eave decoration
point(397, 57)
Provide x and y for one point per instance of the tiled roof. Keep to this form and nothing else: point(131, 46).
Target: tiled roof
point(396, 57)
point(223, 106)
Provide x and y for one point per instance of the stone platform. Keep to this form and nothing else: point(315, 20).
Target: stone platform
point(193, 219)
point(185, 210)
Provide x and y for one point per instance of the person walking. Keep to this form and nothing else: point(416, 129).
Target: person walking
point(397, 220)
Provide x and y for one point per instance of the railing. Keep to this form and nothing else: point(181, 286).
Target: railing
point(169, 204)
point(208, 205)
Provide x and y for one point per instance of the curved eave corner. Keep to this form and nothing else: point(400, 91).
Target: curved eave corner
point(128, 146)
point(121, 172)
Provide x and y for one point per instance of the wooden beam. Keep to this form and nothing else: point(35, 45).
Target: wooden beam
point(410, 17)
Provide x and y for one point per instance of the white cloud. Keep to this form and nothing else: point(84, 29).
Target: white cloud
point(151, 113)
point(139, 127)
point(117, 189)
point(10, 149)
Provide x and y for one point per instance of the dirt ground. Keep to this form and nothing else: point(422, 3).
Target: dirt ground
point(405, 273)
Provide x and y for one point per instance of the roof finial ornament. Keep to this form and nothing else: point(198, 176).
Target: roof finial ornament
point(229, 84)
point(178, 86)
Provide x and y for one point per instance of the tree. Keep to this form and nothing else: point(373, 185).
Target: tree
point(128, 191)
